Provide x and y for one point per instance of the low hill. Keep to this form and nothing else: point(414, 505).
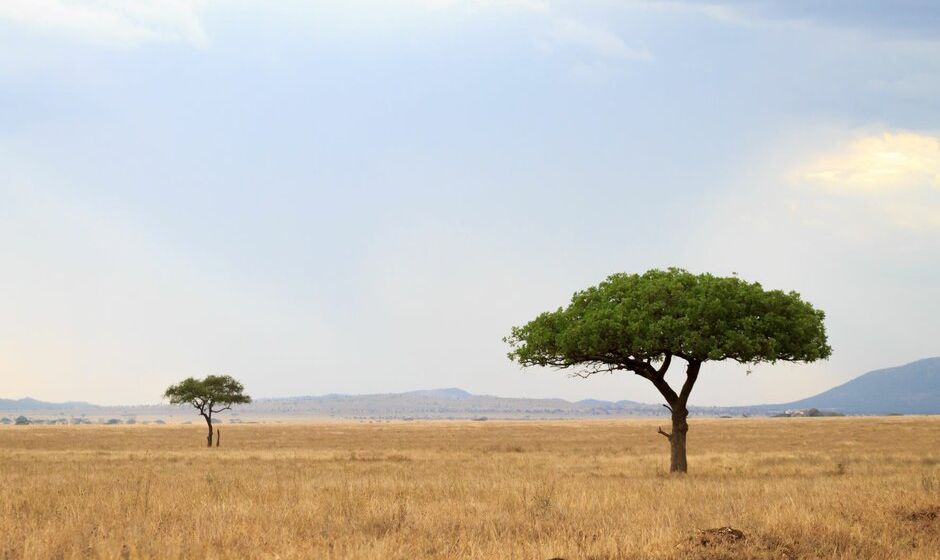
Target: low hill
point(450, 393)
point(442, 403)
point(30, 404)
point(913, 388)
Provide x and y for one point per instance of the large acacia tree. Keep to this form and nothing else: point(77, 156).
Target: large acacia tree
point(209, 396)
point(642, 323)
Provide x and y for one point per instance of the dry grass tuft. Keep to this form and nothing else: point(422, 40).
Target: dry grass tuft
point(925, 515)
point(514, 490)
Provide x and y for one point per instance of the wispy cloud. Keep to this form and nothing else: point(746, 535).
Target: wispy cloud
point(597, 40)
point(900, 18)
point(557, 27)
point(878, 163)
point(111, 22)
point(897, 174)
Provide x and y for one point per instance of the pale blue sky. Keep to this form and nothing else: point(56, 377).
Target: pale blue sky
point(364, 196)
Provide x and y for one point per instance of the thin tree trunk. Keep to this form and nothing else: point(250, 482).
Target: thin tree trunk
point(218, 437)
point(209, 437)
point(677, 406)
point(680, 427)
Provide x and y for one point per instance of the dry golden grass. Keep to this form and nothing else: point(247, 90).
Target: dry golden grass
point(798, 488)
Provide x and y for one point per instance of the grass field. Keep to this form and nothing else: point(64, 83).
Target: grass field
point(797, 488)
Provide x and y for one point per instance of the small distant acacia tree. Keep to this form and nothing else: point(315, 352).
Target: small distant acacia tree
point(209, 396)
point(641, 323)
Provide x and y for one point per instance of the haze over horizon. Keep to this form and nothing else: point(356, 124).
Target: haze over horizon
point(910, 388)
point(359, 198)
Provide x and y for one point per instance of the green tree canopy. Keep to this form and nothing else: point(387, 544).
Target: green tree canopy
point(630, 319)
point(209, 396)
point(640, 322)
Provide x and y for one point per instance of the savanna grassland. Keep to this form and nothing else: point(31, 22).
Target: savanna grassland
point(797, 488)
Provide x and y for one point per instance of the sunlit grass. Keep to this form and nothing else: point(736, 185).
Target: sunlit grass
point(798, 488)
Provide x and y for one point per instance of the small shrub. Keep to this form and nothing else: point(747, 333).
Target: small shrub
point(542, 501)
point(929, 483)
point(22, 421)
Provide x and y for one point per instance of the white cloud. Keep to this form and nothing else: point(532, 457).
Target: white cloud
point(719, 12)
point(597, 40)
point(896, 176)
point(113, 22)
point(878, 163)
point(558, 27)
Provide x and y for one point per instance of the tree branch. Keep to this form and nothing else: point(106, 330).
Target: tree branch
point(598, 367)
point(691, 374)
point(665, 390)
point(610, 363)
point(640, 367)
point(665, 365)
point(660, 431)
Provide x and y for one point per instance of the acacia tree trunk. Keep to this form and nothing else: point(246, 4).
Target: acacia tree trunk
point(677, 460)
point(209, 437)
point(677, 406)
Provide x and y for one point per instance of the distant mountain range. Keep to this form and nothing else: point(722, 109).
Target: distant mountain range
point(14, 405)
point(909, 389)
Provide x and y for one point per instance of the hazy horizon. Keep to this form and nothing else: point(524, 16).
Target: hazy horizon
point(430, 389)
point(364, 198)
